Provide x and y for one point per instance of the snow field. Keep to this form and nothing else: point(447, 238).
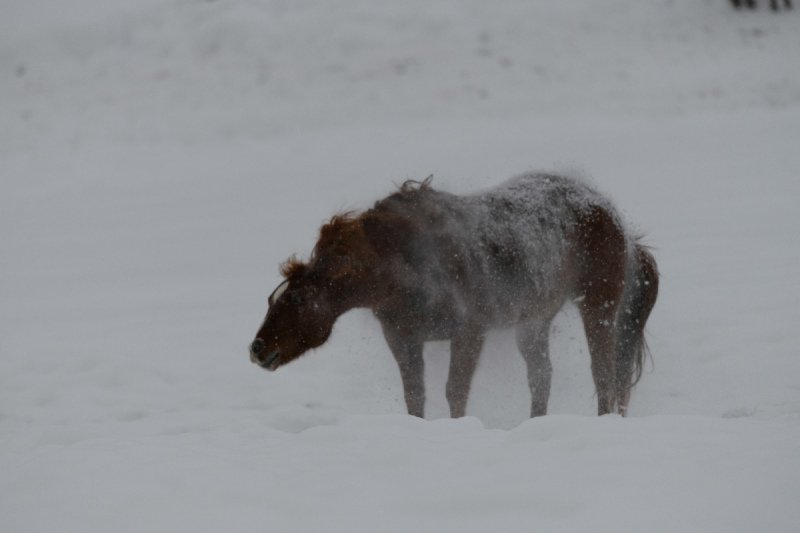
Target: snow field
point(150, 191)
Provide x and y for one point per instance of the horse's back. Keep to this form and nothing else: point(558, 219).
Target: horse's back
point(553, 221)
point(503, 251)
point(548, 199)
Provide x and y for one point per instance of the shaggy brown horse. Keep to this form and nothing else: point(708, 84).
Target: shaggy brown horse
point(435, 266)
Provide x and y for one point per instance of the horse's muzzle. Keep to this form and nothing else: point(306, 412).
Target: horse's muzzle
point(257, 355)
point(256, 348)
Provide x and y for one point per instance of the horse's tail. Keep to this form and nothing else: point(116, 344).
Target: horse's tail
point(639, 297)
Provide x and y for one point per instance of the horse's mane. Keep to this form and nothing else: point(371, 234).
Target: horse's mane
point(344, 232)
point(338, 232)
point(341, 235)
point(416, 185)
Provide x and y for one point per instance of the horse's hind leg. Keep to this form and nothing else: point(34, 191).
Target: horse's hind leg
point(598, 322)
point(465, 348)
point(533, 343)
point(602, 259)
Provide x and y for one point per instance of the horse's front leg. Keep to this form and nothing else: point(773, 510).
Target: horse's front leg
point(407, 351)
point(465, 348)
point(412, 372)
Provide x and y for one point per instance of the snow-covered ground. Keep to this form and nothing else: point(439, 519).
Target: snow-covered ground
point(158, 160)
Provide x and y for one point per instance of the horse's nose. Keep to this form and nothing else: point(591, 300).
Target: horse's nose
point(256, 348)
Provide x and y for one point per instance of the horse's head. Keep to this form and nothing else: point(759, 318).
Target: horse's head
point(300, 317)
point(304, 307)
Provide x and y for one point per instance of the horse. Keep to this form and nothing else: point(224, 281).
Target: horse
point(436, 266)
point(751, 4)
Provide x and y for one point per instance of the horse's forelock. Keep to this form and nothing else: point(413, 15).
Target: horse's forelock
point(293, 268)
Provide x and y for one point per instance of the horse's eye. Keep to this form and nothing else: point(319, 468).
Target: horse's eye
point(296, 299)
